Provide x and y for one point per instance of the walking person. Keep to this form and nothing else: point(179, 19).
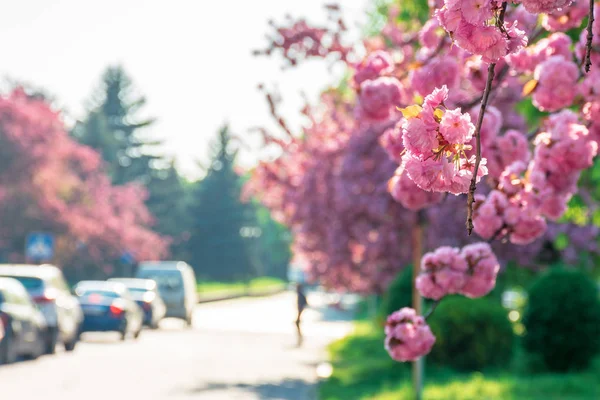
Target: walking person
point(302, 303)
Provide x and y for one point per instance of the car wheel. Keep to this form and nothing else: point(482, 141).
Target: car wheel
point(41, 345)
point(8, 353)
point(70, 345)
point(124, 331)
point(51, 339)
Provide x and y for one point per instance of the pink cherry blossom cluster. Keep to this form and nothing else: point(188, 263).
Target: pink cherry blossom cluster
point(561, 153)
point(556, 83)
point(529, 193)
point(378, 93)
point(400, 186)
point(471, 271)
point(407, 193)
point(555, 74)
point(545, 6)
point(527, 59)
point(379, 98)
point(566, 18)
point(376, 64)
point(498, 214)
point(505, 150)
point(407, 335)
point(469, 24)
point(436, 140)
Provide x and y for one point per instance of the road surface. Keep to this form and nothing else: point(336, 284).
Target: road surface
point(237, 349)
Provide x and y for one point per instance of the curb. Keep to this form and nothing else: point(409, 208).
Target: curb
point(263, 293)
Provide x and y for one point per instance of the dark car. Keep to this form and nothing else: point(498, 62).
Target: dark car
point(108, 307)
point(24, 325)
point(145, 293)
point(47, 287)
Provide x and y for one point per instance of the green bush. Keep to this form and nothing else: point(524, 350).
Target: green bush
point(471, 334)
point(399, 293)
point(562, 320)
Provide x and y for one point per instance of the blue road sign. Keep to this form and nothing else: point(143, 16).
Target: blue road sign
point(127, 258)
point(39, 246)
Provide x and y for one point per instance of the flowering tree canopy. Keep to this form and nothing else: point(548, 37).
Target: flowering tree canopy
point(445, 101)
point(49, 182)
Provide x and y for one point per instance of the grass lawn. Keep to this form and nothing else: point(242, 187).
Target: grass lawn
point(256, 284)
point(363, 370)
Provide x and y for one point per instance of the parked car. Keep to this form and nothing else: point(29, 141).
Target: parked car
point(176, 284)
point(146, 295)
point(108, 307)
point(49, 290)
point(24, 325)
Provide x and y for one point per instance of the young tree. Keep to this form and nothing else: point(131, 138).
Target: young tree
point(223, 228)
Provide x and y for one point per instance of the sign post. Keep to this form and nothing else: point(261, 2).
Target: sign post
point(39, 247)
point(129, 260)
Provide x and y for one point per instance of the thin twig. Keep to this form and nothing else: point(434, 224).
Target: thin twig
point(484, 102)
point(590, 38)
point(496, 234)
point(429, 58)
point(499, 77)
point(473, 185)
point(432, 309)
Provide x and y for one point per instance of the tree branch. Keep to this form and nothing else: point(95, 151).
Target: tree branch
point(473, 185)
point(484, 102)
point(496, 234)
point(503, 73)
point(590, 38)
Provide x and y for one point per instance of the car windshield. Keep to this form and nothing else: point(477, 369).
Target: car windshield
point(137, 289)
point(166, 279)
point(100, 292)
point(30, 283)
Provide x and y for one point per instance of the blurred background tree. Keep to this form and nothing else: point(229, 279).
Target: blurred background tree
point(274, 245)
point(169, 201)
point(113, 128)
point(207, 212)
point(223, 229)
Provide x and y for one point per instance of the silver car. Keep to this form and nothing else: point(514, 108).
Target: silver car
point(48, 289)
point(176, 284)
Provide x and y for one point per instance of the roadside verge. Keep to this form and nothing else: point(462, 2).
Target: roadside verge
point(229, 295)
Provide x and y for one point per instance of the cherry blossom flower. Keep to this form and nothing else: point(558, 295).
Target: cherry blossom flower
point(408, 336)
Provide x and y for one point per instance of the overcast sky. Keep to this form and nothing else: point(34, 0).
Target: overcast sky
point(190, 58)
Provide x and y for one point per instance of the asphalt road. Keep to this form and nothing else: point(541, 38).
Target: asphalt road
point(237, 349)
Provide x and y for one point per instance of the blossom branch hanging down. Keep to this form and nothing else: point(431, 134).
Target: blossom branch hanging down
point(329, 184)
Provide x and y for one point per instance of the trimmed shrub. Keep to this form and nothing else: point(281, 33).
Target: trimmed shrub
point(399, 293)
point(562, 320)
point(471, 334)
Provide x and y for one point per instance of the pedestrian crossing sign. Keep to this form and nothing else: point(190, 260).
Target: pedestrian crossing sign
point(39, 246)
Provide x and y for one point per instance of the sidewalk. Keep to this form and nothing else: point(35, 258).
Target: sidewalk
point(259, 359)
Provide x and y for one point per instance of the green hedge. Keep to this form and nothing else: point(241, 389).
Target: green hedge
point(562, 320)
point(471, 334)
